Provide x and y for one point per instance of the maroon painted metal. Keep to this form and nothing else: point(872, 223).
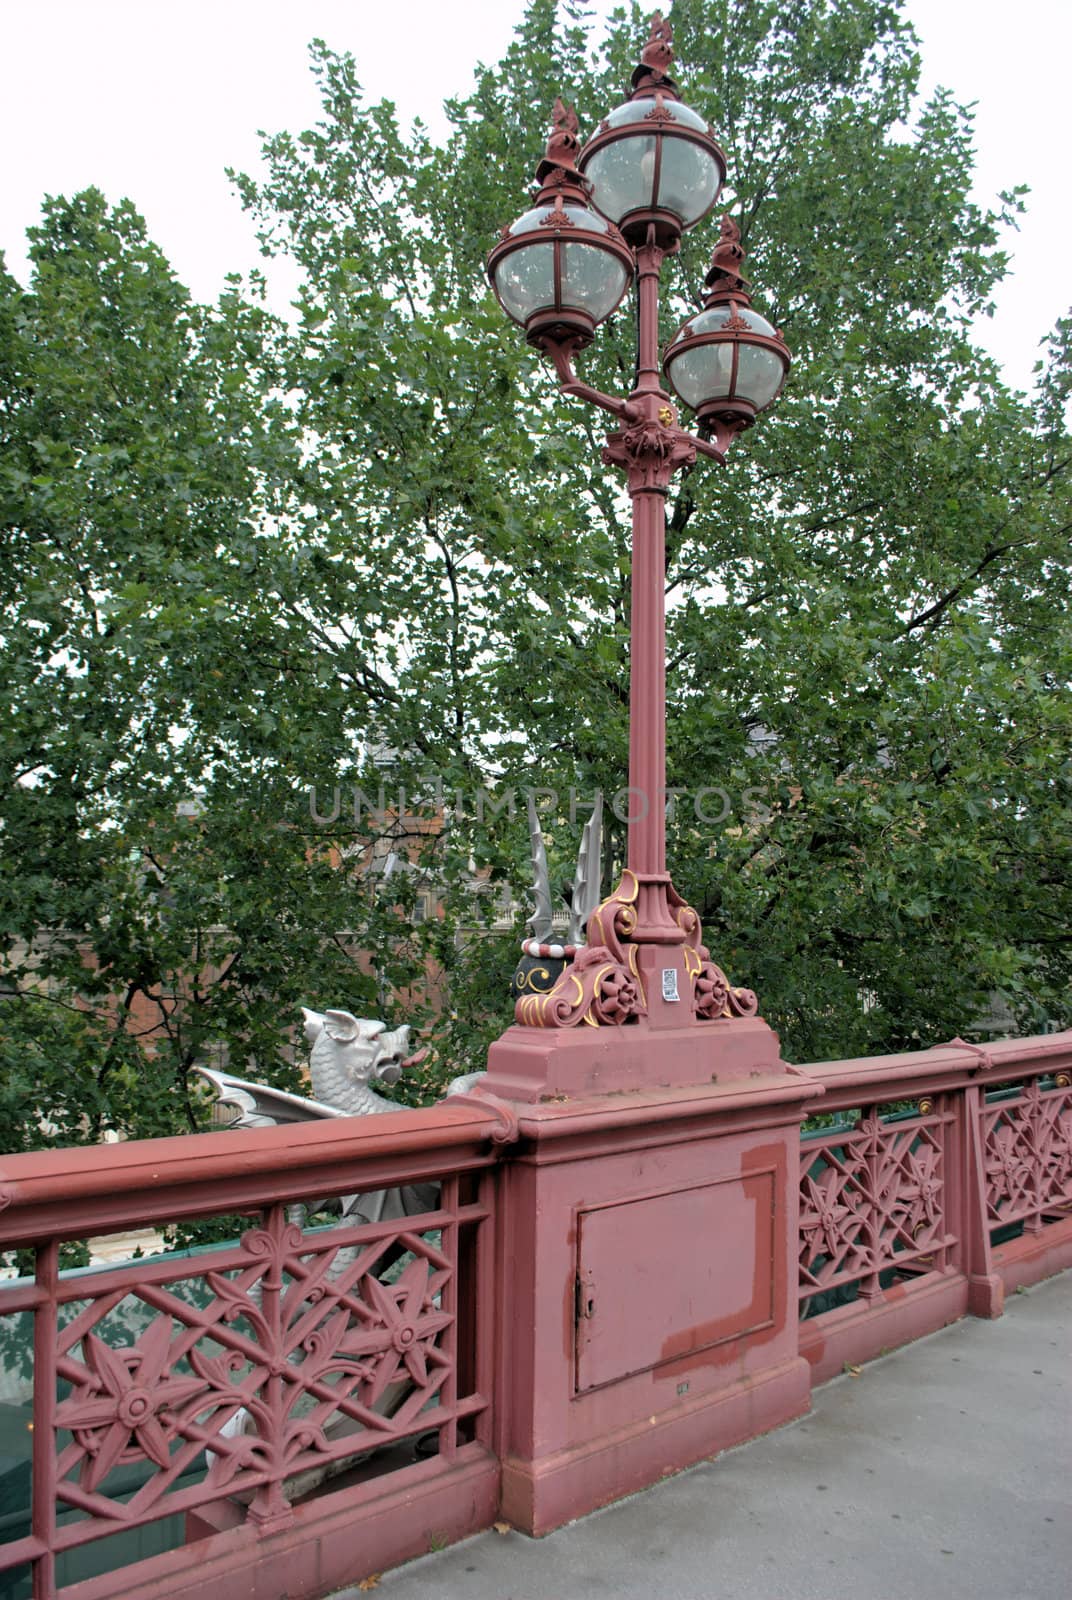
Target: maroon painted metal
point(1027, 1153)
point(76, 1193)
point(902, 1211)
point(727, 327)
point(645, 968)
point(229, 1381)
point(610, 1292)
point(873, 1201)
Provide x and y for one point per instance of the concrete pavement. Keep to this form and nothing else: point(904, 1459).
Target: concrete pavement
point(942, 1472)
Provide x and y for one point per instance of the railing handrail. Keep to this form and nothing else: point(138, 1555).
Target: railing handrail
point(943, 1065)
point(79, 1191)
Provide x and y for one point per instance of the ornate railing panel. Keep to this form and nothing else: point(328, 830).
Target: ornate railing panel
point(248, 1375)
point(951, 1184)
point(1027, 1153)
point(872, 1204)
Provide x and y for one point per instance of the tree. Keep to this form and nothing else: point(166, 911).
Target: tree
point(157, 904)
point(252, 557)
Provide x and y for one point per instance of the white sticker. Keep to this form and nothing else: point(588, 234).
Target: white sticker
point(670, 984)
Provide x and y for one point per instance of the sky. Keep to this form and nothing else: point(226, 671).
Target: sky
point(152, 100)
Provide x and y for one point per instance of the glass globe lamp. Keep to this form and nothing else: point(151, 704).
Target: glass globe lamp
point(727, 363)
point(561, 268)
point(652, 161)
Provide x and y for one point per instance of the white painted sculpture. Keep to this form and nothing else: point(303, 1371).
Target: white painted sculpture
point(348, 1055)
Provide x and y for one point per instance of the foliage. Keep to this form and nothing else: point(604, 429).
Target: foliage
point(243, 557)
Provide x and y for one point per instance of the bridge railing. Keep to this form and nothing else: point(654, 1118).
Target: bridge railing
point(297, 1404)
point(211, 1391)
point(930, 1184)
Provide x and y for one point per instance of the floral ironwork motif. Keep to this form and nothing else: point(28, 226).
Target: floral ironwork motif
point(283, 1354)
point(123, 1410)
point(872, 1202)
point(1027, 1153)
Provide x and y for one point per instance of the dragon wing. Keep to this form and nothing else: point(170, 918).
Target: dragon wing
point(586, 883)
point(262, 1107)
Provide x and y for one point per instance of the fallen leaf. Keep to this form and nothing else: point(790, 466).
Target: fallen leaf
point(371, 1582)
point(502, 1527)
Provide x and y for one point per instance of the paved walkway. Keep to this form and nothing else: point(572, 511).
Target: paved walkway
point(943, 1472)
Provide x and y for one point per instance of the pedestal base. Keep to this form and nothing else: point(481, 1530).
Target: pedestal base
point(649, 1312)
point(531, 1064)
point(538, 1496)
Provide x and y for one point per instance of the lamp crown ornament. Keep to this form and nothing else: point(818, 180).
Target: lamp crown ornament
point(563, 146)
point(726, 259)
point(653, 69)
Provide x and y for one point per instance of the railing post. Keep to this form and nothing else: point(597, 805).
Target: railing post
point(986, 1290)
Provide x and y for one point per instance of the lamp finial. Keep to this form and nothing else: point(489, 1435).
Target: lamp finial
point(563, 146)
point(653, 70)
point(726, 259)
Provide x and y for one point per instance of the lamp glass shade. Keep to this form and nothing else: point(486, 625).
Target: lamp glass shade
point(593, 280)
point(625, 176)
point(525, 280)
point(760, 374)
point(705, 372)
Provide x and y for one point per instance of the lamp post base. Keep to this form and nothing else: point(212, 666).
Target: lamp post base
point(531, 1064)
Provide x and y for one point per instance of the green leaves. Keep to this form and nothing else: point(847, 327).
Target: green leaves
point(242, 558)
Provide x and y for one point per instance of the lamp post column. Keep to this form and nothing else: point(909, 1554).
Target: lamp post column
point(651, 449)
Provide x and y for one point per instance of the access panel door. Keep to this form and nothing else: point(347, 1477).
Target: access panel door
point(665, 1276)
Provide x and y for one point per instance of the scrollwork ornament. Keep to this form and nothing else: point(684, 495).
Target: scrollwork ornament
point(595, 989)
point(505, 1129)
point(650, 453)
point(713, 994)
point(614, 920)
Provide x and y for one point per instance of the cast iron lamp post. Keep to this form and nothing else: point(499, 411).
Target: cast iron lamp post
point(602, 216)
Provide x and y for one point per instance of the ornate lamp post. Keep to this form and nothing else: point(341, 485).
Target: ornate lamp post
point(604, 215)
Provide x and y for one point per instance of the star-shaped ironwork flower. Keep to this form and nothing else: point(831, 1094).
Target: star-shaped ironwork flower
point(126, 1397)
point(405, 1331)
point(1005, 1166)
point(923, 1189)
point(824, 1216)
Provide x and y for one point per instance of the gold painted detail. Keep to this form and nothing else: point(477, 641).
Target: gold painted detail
point(713, 995)
point(634, 968)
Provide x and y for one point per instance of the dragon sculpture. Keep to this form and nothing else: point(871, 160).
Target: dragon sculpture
point(348, 1055)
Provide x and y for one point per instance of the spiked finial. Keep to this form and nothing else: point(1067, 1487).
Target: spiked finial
point(563, 146)
point(653, 70)
point(540, 922)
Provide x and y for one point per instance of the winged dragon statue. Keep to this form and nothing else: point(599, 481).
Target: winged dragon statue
point(348, 1055)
